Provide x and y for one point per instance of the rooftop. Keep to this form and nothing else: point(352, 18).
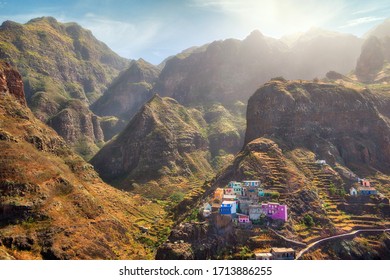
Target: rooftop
point(229, 196)
point(228, 202)
point(263, 254)
point(282, 250)
point(366, 188)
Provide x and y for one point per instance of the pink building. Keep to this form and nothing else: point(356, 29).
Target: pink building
point(366, 183)
point(275, 211)
point(243, 219)
point(229, 191)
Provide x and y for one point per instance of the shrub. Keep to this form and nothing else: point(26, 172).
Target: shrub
point(275, 195)
point(308, 220)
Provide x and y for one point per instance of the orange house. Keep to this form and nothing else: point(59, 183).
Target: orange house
point(218, 194)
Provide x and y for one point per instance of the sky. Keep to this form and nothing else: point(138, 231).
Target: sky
point(154, 30)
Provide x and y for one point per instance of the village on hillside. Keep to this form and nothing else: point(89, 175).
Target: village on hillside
point(248, 203)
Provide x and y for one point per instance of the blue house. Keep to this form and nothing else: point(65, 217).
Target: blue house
point(367, 191)
point(228, 208)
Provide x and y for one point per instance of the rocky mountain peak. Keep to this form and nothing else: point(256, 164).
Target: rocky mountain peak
point(334, 121)
point(254, 36)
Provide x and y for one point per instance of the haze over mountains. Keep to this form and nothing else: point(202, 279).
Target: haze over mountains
point(163, 132)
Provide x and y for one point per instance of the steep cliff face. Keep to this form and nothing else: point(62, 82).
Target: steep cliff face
point(340, 124)
point(11, 82)
point(53, 205)
point(126, 95)
point(163, 139)
point(372, 64)
point(59, 62)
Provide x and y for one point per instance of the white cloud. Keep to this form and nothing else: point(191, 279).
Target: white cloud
point(362, 20)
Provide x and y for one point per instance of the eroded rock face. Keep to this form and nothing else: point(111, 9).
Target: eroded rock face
point(160, 140)
point(371, 60)
point(11, 82)
point(338, 123)
point(194, 241)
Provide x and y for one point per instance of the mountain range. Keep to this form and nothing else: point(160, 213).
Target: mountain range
point(164, 137)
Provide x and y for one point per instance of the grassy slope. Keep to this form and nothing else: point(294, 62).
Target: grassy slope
point(59, 62)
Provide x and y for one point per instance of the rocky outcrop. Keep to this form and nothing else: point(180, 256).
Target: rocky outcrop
point(11, 82)
point(129, 92)
point(339, 124)
point(163, 138)
point(195, 241)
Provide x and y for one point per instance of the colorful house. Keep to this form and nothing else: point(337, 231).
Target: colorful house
point(255, 183)
point(237, 187)
point(364, 182)
point(353, 191)
point(255, 212)
point(283, 253)
point(275, 211)
point(207, 206)
point(367, 191)
point(243, 219)
point(229, 197)
point(218, 194)
point(260, 192)
point(229, 191)
point(228, 208)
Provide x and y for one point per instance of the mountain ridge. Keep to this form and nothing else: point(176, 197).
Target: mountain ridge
point(60, 62)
